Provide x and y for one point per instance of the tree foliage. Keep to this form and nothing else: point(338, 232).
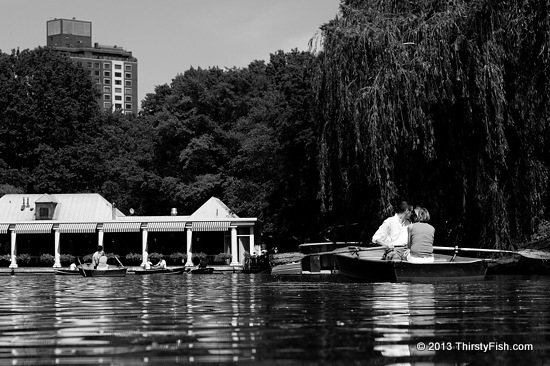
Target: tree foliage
point(437, 101)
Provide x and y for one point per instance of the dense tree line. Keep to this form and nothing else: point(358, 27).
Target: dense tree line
point(443, 103)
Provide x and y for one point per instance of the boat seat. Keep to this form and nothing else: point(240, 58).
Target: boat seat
point(102, 263)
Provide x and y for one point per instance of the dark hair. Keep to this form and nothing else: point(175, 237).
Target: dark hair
point(402, 207)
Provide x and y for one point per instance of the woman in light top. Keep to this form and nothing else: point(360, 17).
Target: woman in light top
point(421, 238)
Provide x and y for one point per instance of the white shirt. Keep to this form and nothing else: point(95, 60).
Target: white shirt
point(392, 232)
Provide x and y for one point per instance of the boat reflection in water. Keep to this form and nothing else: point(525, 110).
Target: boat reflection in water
point(403, 314)
point(258, 319)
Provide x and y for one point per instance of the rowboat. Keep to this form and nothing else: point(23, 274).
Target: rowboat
point(89, 271)
point(166, 271)
point(207, 270)
point(66, 272)
point(367, 265)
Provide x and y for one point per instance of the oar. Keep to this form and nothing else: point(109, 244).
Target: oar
point(296, 256)
point(119, 261)
point(527, 253)
point(79, 262)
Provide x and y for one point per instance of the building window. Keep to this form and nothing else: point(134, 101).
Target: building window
point(106, 65)
point(107, 105)
point(96, 73)
point(118, 97)
point(44, 213)
point(128, 67)
point(118, 74)
point(118, 66)
point(107, 89)
point(128, 106)
point(128, 91)
point(97, 81)
point(106, 96)
point(107, 74)
point(128, 83)
point(107, 81)
point(118, 82)
point(118, 90)
point(128, 75)
point(96, 65)
point(128, 98)
point(118, 106)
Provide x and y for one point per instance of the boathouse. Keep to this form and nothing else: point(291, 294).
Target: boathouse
point(76, 223)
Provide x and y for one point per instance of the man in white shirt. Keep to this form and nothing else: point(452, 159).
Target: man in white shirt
point(393, 231)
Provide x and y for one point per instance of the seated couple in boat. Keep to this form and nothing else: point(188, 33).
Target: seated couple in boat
point(404, 240)
point(161, 264)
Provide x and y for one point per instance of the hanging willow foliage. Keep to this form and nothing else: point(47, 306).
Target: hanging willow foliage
point(451, 95)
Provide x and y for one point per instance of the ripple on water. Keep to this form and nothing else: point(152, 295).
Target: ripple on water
point(237, 317)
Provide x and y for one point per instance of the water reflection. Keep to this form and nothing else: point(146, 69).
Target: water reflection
point(252, 318)
point(404, 314)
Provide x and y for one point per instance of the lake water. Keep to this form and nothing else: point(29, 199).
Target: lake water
point(259, 319)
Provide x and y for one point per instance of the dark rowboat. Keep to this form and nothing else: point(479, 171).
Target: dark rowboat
point(367, 265)
point(207, 270)
point(167, 271)
point(66, 272)
point(106, 272)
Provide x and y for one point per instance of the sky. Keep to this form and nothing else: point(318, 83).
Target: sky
point(169, 37)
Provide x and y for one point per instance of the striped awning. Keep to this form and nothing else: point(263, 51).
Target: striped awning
point(121, 227)
point(166, 226)
point(77, 228)
point(35, 228)
point(210, 225)
point(4, 228)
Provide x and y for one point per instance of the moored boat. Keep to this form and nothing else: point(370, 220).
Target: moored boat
point(206, 270)
point(166, 271)
point(368, 265)
point(66, 272)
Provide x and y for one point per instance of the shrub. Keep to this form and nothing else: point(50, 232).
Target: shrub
point(23, 258)
point(177, 258)
point(66, 259)
point(155, 257)
point(5, 258)
point(134, 258)
point(222, 257)
point(46, 258)
point(196, 258)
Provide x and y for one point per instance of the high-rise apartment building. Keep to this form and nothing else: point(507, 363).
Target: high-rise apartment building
point(112, 69)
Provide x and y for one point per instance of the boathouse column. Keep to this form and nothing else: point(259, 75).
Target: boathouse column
point(57, 249)
point(13, 263)
point(189, 262)
point(100, 237)
point(144, 248)
point(234, 251)
point(251, 244)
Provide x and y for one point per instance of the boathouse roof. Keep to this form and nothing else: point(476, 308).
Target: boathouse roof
point(70, 207)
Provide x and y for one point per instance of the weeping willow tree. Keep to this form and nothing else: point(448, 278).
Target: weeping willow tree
point(442, 102)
